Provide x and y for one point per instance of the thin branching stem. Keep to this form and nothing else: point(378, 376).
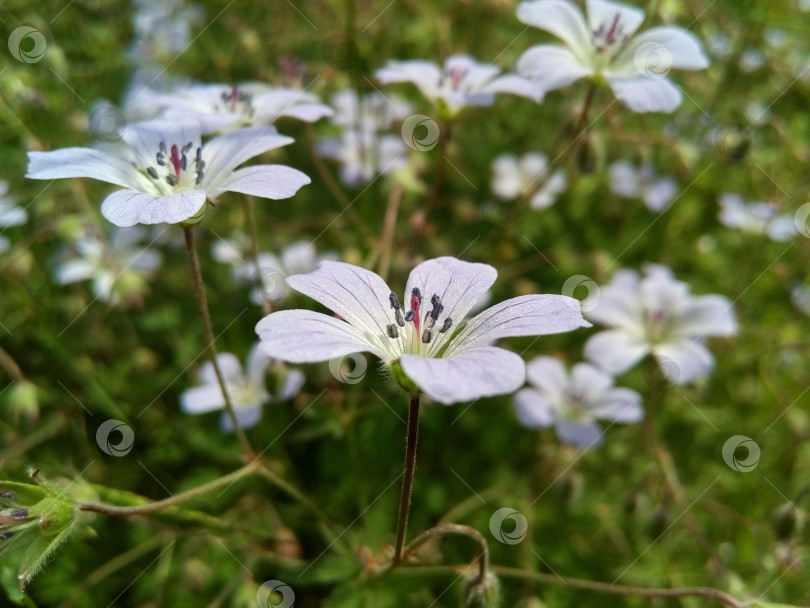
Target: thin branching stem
point(407, 476)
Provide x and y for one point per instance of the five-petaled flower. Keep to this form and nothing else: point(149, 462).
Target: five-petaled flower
point(601, 45)
point(461, 82)
point(168, 174)
point(573, 402)
point(657, 315)
point(428, 343)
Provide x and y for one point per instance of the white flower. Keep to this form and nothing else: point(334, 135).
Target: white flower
point(636, 68)
point(428, 343)
point(296, 258)
point(461, 82)
point(220, 107)
point(370, 112)
point(162, 30)
point(168, 174)
point(10, 214)
point(755, 218)
point(572, 403)
point(246, 389)
point(122, 261)
point(515, 176)
point(642, 182)
point(657, 315)
point(800, 296)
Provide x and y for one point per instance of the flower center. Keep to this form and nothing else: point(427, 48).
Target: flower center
point(238, 102)
point(423, 329)
point(609, 37)
point(173, 165)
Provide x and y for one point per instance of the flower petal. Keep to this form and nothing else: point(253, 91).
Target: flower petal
point(267, 181)
point(229, 365)
point(467, 376)
point(587, 434)
point(85, 162)
point(256, 367)
point(614, 352)
point(202, 399)
point(358, 295)
point(293, 382)
point(645, 94)
point(533, 409)
point(589, 381)
point(129, 207)
point(247, 417)
point(226, 152)
point(533, 315)
point(619, 405)
point(618, 306)
point(549, 375)
point(684, 361)
point(710, 315)
point(516, 85)
point(561, 18)
point(551, 67)
point(303, 336)
point(424, 74)
point(603, 14)
point(668, 46)
point(308, 112)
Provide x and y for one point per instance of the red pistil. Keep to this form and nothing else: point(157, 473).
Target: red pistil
point(176, 161)
point(415, 308)
point(614, 28)
point(456, 74)
point(233, 97)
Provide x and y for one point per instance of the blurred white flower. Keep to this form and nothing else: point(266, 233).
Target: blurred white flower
point(461, 82)
point(513, 177)
point(642, 182)
point(752, 59)
point(755, 218)
point(800, 295)
point(10, 214)
point(246, 388)
point(168, 174)
point(162, 30)
point(363, 150)
point(123, 260)
point(299, 257)
point(221, 107)
point(656, 314)
point(572, 403)
point(636, 68)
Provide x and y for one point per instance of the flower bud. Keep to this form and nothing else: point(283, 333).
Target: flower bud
point(482, 592)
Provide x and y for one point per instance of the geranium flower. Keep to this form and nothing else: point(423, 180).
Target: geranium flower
point(428, 343)
point(221, 107)
point(122, 261)
point(657, 315)
point(168, 174)
point(246, 388)
point(572, 403)
point(10, 213)
point(461, 82)
point(602, 45)
point(515, 176)
point(755, 218)
point(642, 182)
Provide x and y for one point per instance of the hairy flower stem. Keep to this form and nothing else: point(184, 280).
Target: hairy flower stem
point(407, 476)
point(481, 558)
point(250, 223)
point(202, 303)
point(438, 180)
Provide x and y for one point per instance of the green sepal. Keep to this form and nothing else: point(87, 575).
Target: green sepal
point(406, 383)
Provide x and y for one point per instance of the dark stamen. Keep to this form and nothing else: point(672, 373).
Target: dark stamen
point(399, 319)
point(152, 173)
point(198, 158)
point(426, 336)
point(392, 331)
point(392, 297)
point(200, 175)
point(410, 316)
point(4, 535)
point(171, 180)
point(19, 513)
point(447, 323)
point(161, 159)
point(8, 494)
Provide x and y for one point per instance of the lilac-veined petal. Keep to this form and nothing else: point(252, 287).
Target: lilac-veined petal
point(645, 94)
point(586, 434)
point(614, 352)
point(549, 375)
point(621, 405)
point(604, 14)
point(248, 417)
point(684, 361)
point(424, 74)
point(267, 181)
point(128, 207)
point(561, 18)
point(678, 48)
point(145, 138)
point(226, 152)
point(469, 375)
point(551, 67)
point(533, 409)
point(617, 307)
point(710, 315)
point(292, 385)
point(358, 295)
point(589, 382)
point(303, 336)
point(85, 162)
point(532, 315)
point(202, 399)
point(229, 365)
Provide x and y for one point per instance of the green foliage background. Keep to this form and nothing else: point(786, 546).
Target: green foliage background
point(695, 523)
